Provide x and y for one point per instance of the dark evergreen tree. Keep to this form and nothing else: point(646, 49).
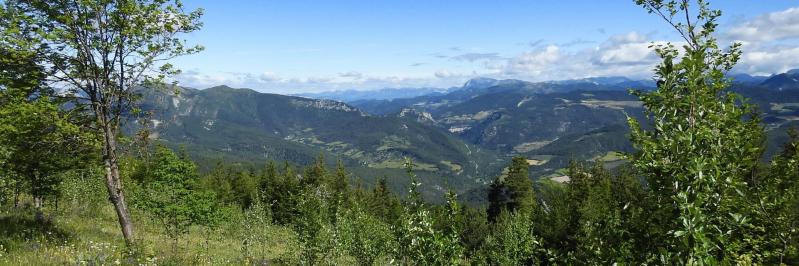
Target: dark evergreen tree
point(383, 204)
point(520, 187)
point(513, 192)
point(497, 198)
point(341, 180)
point(316, 175)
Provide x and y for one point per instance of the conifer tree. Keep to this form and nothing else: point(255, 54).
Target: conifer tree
point(513, 192)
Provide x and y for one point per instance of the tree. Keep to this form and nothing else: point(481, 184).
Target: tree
point(173, 195)
point(316, 174)
point(520, 186)
point(514, 192)
point(497, 199)
point(44, 142)
point(600, 237)
point(365, 237)
point(703, 144)
point(419, 241)
point(340, 183)
point(39, 138)
point(221, 180)
point(283, 194)
point(778, 200)
point(512, 241)
point(100, 52)
point(383, 204)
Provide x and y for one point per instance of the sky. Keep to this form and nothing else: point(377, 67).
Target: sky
point(303, 46)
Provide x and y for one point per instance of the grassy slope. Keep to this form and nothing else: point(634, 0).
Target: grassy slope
point(81, 235)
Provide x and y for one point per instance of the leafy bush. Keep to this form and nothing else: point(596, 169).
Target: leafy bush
point(173, 196)
point(512, 242)
point(365, 237)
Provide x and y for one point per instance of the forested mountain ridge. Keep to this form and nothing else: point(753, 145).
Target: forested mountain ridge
point(242, 125)
point(452, 134)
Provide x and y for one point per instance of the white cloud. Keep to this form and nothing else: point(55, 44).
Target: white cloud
point(318, 79)
point(620, 55)
point(270, 82)
point(351, 74)
point(770, 42)
point(626, 49)
point(766, 61)
point(446, 74)
point(473, 57)
point(773, 26)
point(268, 77)
point(533, 62)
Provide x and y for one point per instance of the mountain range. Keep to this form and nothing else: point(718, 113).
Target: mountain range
point(459, 138)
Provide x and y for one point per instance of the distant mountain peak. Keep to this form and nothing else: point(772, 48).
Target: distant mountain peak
point(787, 80)
point(226, 88)
point(480, 82)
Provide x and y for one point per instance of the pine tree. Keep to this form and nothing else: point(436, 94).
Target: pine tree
point(341, 180)
point(316, 175)
point(497, 198)
point(513, 192)
point(520, 186)
point(383, 204)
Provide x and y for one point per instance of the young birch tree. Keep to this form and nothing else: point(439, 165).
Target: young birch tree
point(99, 52)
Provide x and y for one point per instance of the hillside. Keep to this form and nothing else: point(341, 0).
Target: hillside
point(460, 139)
point(244, 125)
point(554, 122)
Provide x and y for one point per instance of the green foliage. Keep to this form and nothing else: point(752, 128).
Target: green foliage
point(705, 199)
point(98, 52)
point(41, 140)
point(512, 242)
point(316, 174)
point(555, 218)
point(704, 142)
point(365, 237)
point(254, 233)
point(383, 204)
point(282, 192)
point(520, 187)
point(599, 222)
point(317, 234)
point(778, 200)
point(419, 241)
point(83, 191)
point(514, 192)
point(173, 196)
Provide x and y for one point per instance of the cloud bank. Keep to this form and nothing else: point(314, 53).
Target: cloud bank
point(770, 42)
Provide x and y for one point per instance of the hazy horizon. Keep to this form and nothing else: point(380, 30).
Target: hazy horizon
point(302, 46)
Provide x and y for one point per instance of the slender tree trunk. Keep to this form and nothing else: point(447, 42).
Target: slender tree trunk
point(37, 204)
point(16, 194)
point(114, 184)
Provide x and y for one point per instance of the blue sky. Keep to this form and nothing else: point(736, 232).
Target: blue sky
point(301, 46)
